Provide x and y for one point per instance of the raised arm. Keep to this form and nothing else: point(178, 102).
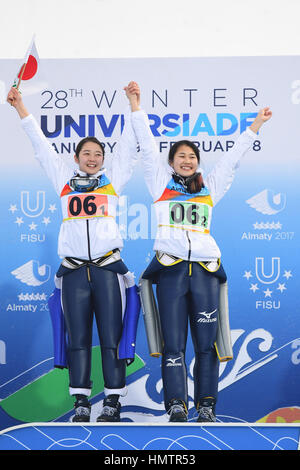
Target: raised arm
point(125, 155)
point(220, 178)
point(57, 171)
point(156, 171)
point(133, 94)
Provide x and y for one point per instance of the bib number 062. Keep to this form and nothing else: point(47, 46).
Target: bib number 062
point(188, 214)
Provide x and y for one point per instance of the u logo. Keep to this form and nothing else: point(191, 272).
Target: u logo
point(270, 277)
point(26, 206)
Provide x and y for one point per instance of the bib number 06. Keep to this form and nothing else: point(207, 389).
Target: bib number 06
point(87, 206)
point(189, 214)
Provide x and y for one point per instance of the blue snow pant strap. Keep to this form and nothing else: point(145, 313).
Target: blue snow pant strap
point(86, 291)
point(185, 294)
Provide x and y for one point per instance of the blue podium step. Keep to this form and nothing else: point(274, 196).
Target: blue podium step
point(147, 436)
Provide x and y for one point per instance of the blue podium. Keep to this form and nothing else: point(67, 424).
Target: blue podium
point(151, 437)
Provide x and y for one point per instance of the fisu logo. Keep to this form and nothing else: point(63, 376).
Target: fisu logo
point(269, 283)
point(267, 277)
point(31, 215)
point(29, 208)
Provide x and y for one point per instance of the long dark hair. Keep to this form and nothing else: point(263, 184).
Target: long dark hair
point(84, 141)
point(193, 183)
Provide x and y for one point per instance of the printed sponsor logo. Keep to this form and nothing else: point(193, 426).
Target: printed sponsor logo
point(172, 362)
point(207, 317)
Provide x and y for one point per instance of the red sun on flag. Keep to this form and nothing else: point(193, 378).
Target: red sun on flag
point(30, 68)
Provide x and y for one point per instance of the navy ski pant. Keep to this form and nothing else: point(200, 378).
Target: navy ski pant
point(188, 294)
point(86, 291)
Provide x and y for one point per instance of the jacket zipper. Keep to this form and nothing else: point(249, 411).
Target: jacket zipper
point(189, 255)
point(89, 249)
point(190, 247)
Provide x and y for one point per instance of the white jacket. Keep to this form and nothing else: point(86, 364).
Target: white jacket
point(86, 238)
point(186, 244)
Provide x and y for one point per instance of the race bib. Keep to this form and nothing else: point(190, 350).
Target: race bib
point(84, 205)
point(190, 214)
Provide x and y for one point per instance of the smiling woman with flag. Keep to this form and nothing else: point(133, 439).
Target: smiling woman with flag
point(92, 276)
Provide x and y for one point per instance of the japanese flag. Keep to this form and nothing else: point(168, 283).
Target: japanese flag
point(29, 79)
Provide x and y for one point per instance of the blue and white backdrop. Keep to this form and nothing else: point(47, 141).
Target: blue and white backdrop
point(210, 101)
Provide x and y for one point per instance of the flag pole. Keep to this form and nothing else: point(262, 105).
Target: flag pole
point(21, 76)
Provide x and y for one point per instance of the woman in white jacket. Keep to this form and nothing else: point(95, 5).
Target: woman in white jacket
point(187, 267)
point(89, 245)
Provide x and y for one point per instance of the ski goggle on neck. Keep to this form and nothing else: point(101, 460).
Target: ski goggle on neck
point(84, 184)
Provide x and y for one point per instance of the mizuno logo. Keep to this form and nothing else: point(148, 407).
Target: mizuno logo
point(172, 362)
point(207, 316)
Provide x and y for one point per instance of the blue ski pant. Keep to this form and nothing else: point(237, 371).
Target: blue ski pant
point(88, 291)
point(188, 294)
